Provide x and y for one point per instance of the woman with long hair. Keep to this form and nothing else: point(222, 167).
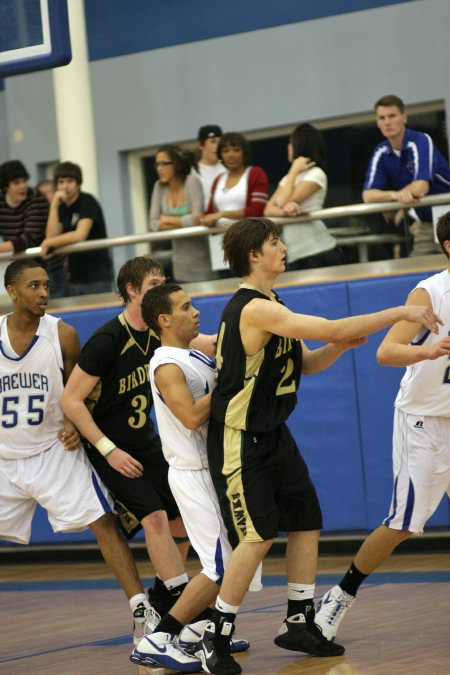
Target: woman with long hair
point(301, 190)
point(177, 201)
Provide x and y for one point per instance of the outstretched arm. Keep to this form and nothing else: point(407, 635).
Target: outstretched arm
point(396, 350)
point(316, 360)
point(260, 319)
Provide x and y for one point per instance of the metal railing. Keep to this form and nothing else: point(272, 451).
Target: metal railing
point(361, 241)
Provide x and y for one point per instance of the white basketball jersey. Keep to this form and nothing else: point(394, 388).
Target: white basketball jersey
point(425, 387)
point(30, 390)
point(183, 448)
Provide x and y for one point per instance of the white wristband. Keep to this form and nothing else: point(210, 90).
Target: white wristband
point(105, 446)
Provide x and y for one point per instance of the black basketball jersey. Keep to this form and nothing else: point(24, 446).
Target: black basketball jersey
point(121, 401)
point(254, 393)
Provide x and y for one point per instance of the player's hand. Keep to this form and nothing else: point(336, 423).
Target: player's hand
point(423, 315)
point(125, 464)
point(441, 348)
point(69, 436)
point(351, 344)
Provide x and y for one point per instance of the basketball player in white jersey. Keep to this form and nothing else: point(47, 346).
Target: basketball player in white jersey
point(421, 437)
point(182, 379)
point(40, 458)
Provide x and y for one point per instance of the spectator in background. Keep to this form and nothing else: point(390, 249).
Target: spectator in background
point(301, 190)
point(77, 216)
point(208, 167)
point(177, 202)
point(23, 212)
point(241, 191)
point(46, 187)
point(56, 266)
point(405, 167)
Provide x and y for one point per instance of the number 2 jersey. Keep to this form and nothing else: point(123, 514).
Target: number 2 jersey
point(121, 401)
point(254, 393)
point(425, 386)
point(31, 386)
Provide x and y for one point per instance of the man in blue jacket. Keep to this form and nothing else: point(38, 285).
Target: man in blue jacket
point(405, 167)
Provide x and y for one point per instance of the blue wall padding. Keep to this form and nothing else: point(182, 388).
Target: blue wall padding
point(343, 420)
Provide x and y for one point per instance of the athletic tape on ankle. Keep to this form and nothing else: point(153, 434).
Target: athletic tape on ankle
point(105, 446)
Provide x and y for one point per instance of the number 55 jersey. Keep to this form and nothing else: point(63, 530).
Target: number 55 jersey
point(31, 385)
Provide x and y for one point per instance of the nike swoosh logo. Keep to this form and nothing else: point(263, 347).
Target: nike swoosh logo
point(208, 654)
point(326, 601)
point(161, 650)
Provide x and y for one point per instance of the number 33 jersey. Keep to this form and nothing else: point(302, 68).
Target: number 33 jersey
point(30, 391)
point(425, 387)
point(254, 393)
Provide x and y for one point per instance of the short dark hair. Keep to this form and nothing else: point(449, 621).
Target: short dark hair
point(157, 301)
point(307, 141)
point(134, 272)
point(242, 238)
point(390, 99)
point(238, 141)
point(443, 230)
point(16, 268)
point(10, 171)
point(183, 160)
point(68, 170)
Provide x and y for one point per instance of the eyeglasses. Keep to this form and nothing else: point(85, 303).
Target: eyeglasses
point(158, 164)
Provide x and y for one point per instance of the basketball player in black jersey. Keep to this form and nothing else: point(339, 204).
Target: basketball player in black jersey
point(108, 399)
point(262, 482)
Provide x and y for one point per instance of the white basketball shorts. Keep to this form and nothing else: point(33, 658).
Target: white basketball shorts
point(421, 463)
point(197, 500)
point(62, 482)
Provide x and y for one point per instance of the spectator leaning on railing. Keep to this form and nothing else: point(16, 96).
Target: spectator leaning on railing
point(177, 202)
point(23, 212)
point(301, 190)
point(241, 191)
point(77, 216)
point(405, 167)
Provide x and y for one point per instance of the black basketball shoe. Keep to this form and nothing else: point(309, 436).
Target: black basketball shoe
point(300, 635)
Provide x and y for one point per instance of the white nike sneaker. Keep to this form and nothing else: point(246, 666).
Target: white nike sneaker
point(331, 610)
point(145, 620)
point(161, 649)
point(192, 633)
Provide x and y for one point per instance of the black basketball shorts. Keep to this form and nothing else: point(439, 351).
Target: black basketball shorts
point(262, 482)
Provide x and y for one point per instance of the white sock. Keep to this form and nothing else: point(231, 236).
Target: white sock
point(137, 599)
point(176, 581)
point(300, 591)
point(225, 608)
